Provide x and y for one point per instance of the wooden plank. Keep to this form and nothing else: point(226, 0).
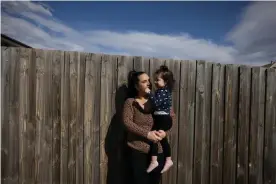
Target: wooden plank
point(125, 65)
point(202, 123)
point(9, 110)
point(141, 64)
point(5, 125)
point(64, 137)
point(43, 131)
point(230, 128)
point(270, 128)
point(186, 122)
point(73, 58)
point(57, 61)
point(217, 124)
point(108, 91)
point(257, 126)
point(171, 175)
point(80, 118)
point(14, 144)
point(26, 121)
point(48, 139)
point(92, 119)
point(243, 124)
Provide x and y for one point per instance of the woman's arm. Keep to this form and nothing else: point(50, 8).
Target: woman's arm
point(128, 120)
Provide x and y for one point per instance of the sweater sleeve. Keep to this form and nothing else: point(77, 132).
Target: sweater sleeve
point(128, 120)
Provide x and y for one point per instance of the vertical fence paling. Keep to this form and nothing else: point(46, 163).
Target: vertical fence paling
point(92, 118)
point(270, 128)
point(186, 122)
point(57, 60)
point(217, 124)
point(243, 125)
point(27, 124)
point(257, 114)
point(202, 122)
point(57, 108)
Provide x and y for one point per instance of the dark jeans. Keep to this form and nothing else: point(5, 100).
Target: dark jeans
point(162, 122)
point(139, 164)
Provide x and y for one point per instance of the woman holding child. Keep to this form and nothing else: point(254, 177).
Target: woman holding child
point(138, 118)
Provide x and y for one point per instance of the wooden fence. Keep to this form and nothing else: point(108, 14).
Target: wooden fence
point(61, 119)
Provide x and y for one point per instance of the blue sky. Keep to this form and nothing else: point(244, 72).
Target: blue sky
point(209, 20)
point(225, 32)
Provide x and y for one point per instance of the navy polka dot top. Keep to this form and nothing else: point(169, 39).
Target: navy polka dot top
point(162, 100)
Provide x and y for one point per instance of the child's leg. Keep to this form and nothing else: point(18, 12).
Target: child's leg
point(167, 153)
point(154, 152)
point(168, 164)
point(166, 124)
point(166, 147)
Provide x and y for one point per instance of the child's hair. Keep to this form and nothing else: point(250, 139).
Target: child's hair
point(166, 75)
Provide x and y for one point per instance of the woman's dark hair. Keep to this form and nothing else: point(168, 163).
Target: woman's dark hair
point(133, 79)
point(167, 76)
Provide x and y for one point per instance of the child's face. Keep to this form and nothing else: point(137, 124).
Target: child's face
point(159, 82)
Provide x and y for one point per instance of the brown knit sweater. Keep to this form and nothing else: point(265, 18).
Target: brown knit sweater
point(139, 122)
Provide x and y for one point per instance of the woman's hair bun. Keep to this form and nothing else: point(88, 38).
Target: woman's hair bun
point(131, 73)
point(164, 68)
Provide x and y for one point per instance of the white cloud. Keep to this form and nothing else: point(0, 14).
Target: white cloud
point(255, 35)
point(30, 27)
point(151, 44)
point(26, 6)
point(33, 35)
point(51, 24)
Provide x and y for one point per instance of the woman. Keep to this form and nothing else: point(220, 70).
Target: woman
point(138, 120)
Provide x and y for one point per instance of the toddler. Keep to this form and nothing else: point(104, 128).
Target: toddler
point(162, 101)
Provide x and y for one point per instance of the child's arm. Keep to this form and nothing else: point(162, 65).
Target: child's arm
point(154, 99)
point(159, 97)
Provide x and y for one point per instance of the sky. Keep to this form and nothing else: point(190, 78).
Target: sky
point(234, 32)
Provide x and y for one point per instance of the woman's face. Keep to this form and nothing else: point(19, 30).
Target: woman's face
point(144, 83)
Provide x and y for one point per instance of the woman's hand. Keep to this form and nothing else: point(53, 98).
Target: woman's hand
point(152, 136)
point(161, 134)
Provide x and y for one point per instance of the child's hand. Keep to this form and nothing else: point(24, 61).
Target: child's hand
point(147, 90)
